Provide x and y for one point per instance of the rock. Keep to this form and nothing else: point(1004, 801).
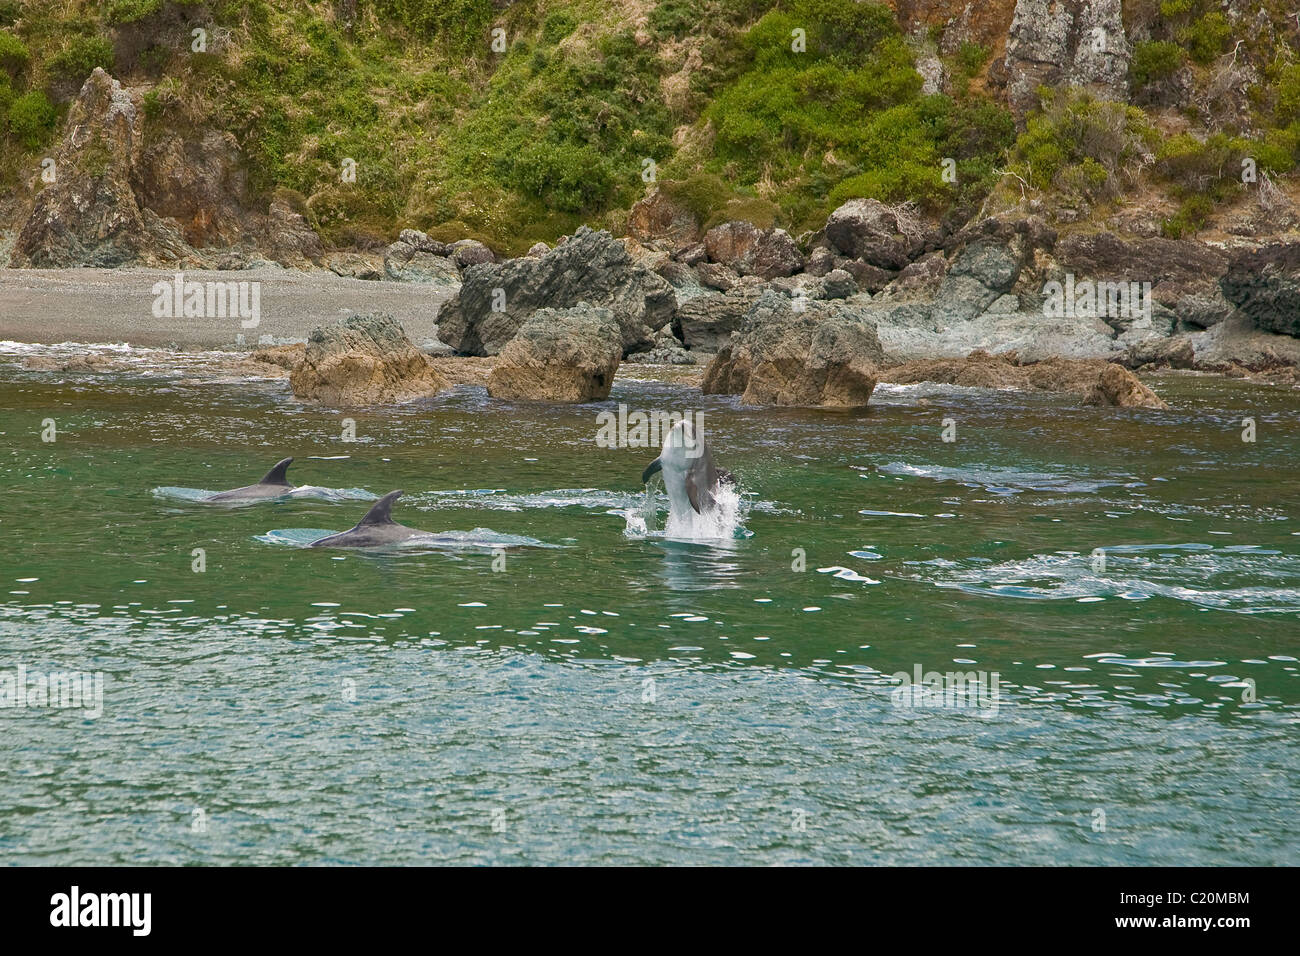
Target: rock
point(838, 284)
point(692, 255)
point(1055, 43)
point(91, 215)
point(198, 180)
point(590, 267)
point(825, 355)
point(420, 242)
point(705, 322)
point(287, 237)
point(750, 251)
point(1095, 381)
point(407, 262)
point(364, 360)
point(351, 265)
point(658, 216)
point(1174, 352)
point(821, 261)
point(471, 252)
point(1265, 284)
point(1119, 387)
point(715, 276)
point(868, 230)
point(537, 250)
point(287, 357)
point(920, 278)
point(560, 355)
point(867, 277)
point(667, 350)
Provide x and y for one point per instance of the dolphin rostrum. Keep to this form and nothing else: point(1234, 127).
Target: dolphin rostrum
point(273, 485)
point(376, 528)
point(690, 476)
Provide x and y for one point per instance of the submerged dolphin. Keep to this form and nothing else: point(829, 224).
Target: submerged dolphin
point(690, 476)
point(376, 528)
point(273, 485)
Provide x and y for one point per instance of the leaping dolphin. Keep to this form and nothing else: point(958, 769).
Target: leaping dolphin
point(690, 476)
point(376, 528)
point(273, 485)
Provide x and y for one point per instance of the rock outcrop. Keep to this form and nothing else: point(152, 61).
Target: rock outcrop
point(823, 355)
point(560, 355)
point(705, 323)
point(123, 197)
point(496, 299)
point(750, 251)
point(1066, 43)
point(1095, 381)
point(658, 216)
point(1265, 284)
point(364, 360)
point(90, 215)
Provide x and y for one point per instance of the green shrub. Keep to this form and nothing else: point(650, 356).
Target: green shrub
point(131, 11)
point(1078, 130)
point(459, 24)
point(971, 58)
point(1288, 93)
point(1199, 166)
point(78, 59)
point(1206, 38)
point(10, 10)
point(31, 118)
point(1155, 61)
point(6, 98)
point(14, 54)
point(1192, 216)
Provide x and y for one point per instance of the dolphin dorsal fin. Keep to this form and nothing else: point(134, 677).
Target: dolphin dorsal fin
point(381, 513)
point(276, 475)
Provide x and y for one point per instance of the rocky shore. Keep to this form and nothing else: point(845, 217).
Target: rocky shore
point(878, 293)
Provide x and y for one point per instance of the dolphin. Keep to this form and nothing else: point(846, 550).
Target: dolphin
point(375, 529)
point(690, 476)
point(273, 485)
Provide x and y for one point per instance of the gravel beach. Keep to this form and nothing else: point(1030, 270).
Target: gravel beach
point(116, 305)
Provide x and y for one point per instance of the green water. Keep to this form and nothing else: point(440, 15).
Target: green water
point(621, 697)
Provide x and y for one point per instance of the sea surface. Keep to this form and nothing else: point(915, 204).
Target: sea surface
point(551, 678)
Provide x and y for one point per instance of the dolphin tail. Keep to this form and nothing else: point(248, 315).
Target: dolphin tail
point(276, 475)
point(381, 512)
point(651, 469)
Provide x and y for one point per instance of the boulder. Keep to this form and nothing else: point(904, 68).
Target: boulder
point(593, 267)
point(1117, 386)
point(667, 350)
point(537, 250)
point(353, 265)
point(471, 252)
point(824, 355)
point(658, 216)
point(1265, 284)
point(750, 251)
point(414, 257)
point(560, 355)
point(868, 230)
point(364, 360)
point(705, 323)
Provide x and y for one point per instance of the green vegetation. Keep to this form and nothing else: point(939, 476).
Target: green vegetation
point(770, 110)
point(1154, 61)
point(13, 54)
point(31, 118)
point(78, 59)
